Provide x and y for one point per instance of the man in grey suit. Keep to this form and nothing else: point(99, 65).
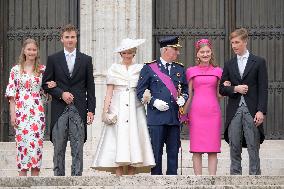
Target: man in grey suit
point(247, 103)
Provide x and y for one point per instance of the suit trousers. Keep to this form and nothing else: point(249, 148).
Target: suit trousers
point(170, 135)
point(243, 124)
point(68, 126)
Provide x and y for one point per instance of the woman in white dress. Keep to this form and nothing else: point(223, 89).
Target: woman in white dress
point(124, 146)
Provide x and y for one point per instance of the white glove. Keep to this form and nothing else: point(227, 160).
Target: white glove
point(180, 101)
point(161, 105)
point(146, 96)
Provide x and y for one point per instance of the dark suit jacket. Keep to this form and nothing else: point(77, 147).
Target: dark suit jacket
point(149, 80)
point(255, 76)
point(81, 85)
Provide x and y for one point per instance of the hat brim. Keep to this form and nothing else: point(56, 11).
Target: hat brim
point(175, 46)
point(134, 44)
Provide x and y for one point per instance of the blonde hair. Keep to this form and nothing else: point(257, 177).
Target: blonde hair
point(22, 57)
point(242, 33)
point(212, 59)
point(133, 50)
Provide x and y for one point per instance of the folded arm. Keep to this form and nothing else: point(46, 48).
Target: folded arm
point(55, 92)
point(225, 90)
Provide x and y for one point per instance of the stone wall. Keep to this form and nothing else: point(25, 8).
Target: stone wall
point(102, 26)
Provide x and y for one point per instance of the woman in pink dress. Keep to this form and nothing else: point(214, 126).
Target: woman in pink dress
point(204, 109)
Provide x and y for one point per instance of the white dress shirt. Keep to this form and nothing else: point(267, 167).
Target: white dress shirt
point(70, 60)
point(242, 62)
point(164, 64)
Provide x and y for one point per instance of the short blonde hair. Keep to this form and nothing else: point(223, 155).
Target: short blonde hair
point(242, 33)
point(68, 28)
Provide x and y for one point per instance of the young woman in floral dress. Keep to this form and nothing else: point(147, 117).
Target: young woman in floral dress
point(26, 108)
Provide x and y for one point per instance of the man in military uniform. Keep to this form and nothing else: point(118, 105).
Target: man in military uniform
point(167, 83)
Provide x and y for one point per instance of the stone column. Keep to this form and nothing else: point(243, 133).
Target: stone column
point(103, 24)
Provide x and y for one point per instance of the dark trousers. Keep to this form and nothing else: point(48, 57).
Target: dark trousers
point(68, 126)
point(170, 135)
point(243, 124)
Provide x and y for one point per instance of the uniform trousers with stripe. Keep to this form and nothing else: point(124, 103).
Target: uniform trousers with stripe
point(169, 135)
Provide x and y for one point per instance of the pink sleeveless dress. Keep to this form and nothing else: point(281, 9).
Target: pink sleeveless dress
point(204, 112)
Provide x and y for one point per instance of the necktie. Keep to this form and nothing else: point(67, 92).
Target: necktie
point(70, 64)
point(242, 66)
point(167, 68)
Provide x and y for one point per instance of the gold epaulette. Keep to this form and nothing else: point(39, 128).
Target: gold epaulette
point(153, 61)
point(179, 63)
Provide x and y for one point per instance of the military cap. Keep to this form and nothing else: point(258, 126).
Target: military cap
point(170, 41)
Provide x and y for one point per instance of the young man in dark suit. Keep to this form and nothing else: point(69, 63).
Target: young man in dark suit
point(247, 103)
point(73, 101)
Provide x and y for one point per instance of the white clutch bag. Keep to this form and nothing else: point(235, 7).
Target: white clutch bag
point(109, 118)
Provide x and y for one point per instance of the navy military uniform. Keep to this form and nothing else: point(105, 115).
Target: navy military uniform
point(164, 126)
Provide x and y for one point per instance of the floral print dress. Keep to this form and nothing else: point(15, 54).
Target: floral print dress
point(30, 118)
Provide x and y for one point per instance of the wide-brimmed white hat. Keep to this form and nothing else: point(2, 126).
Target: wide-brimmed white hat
point(128, 44)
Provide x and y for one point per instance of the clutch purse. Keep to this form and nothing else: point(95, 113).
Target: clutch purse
point(109, 118)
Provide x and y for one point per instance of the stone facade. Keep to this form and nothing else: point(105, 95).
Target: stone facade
point(103, 24)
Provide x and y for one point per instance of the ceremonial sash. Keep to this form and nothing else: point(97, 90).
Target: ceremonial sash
point(165, 79)
point(170, 86)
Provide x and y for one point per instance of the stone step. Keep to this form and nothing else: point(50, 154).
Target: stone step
point(7, 146)
point(143, 181)
point(185, 171)
point(275, 151)
point(265, 153)
point(91, 145)
point(48, 155)
point(271, 154)
point(266, 163)
point(153, 187)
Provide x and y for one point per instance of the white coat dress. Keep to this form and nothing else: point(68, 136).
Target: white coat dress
point(127, 142)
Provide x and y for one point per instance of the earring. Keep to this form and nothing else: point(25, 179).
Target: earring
point(197, 60)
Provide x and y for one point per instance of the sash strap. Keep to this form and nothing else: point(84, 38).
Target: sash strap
point(165, 79)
